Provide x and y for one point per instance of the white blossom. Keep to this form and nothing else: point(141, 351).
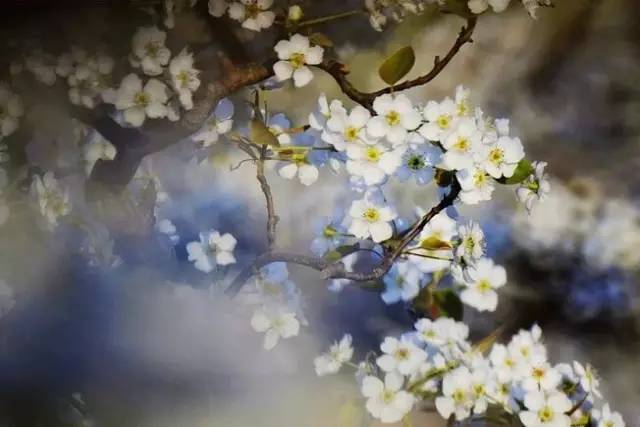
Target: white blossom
point(349, 128)
point(472, 243)
point(370, 219)
point(138, 102)
point(481, 281)
point(372, 162)
point(387, 401)
point(53, 200)
point(535, 188)
point(476, 186)
point(294, 55)
point(339, 353)
point(457, 398)
point(395, 117)
point(148, 50)
point(546, 409)
point(184, 78)
point(254, 14)
point(275, 324)
point(401, 356)
point(220, 123)
point(607, 418)
point(211, 250)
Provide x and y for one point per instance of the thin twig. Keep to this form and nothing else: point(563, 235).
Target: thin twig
point(272, 218)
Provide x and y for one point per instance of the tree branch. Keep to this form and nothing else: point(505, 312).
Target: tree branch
point(272, 218)
point(337, 270)
point(339, 71)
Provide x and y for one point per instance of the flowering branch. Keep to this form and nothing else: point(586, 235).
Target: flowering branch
point(337, 270)
point(339, 71)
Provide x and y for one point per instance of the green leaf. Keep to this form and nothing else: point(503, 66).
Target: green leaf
point(397, 65)
point(522, 172)
point(433, 243)
point(340, 252)
point(351, 414)
point(261, 135)
point(321, 40)
point(448, 304)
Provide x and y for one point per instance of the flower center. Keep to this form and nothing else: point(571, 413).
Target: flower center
point(496, 156)
point(252, 10)
point(371, 215)
point(387, 396)
point(537, 373)
point(372, 154)
point(402, 354)
point(443, 121)
point(329, 232)
point(183, 78)
point(480, 178)
point(458, 396)
point(462, 144)
point(416, 162)
point(545, 414)
point(297, 60)
point(351, 133)
point(151, 49)
point(141, 99)
point(463, 107)
point(484, 285)
point(393, 118)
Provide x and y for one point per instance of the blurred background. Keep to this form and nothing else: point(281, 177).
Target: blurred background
point(152, 342)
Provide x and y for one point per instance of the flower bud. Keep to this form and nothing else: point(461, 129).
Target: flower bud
point(295, 13)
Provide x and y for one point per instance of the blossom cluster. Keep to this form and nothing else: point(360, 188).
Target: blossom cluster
point(167, 83)
point(436, 361)
point(254, 15)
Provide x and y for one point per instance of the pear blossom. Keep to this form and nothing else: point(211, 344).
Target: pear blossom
point(295, 54)
point(340, 353)
point(546, 409)
point(138, 102)
point(457, 398)
point(607, 418)
point(535, 188)
point(11, 109)
point(372, 162)
point(325, 110)
point(211, 250)
point(53, 200)
point(418, 162)
point(184, 77)
point(441, 119)
point(472, 242)
point(97, 148)
point(220, 123)
point(442, 331)
point(396, 116)
point(402, 282)
point(541, 376)
point(481, 281)
point(476, 185)
point(149, 51)
point(371, 219)
point(329, 234)
point(218, 8)
point(349, 128)
point(588, 378)
point(254, 14)
point(461, 145)
point(275, 324)
point(435, 243)
point(387, 401)
point(502, 157)
point(401, 356)
point(503, 362)
point(479, 6)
